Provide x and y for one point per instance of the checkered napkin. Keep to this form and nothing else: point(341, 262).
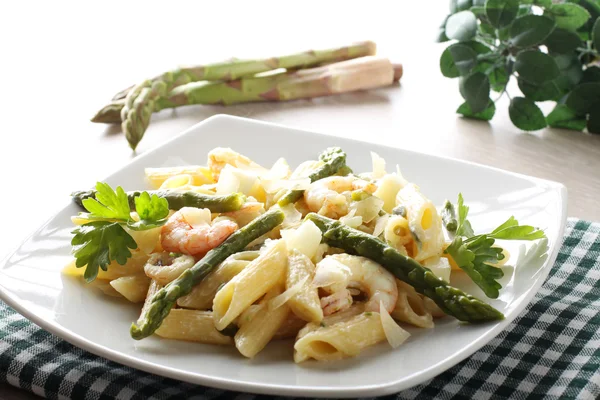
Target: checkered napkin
point(551, 351)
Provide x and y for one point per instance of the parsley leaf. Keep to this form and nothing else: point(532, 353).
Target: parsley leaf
point(98, 243)
point(464, 226)
point(153, 211)
point(474, 254)
point(511, 230)
point(108, 204)
point(103, 240)
point(473, 258)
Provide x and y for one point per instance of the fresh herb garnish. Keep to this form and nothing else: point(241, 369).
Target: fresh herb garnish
point(103, 240)
point(474, 253)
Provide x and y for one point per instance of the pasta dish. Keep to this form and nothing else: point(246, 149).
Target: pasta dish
point(236, 253)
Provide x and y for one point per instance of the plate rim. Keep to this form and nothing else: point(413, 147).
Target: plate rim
point(266, 388)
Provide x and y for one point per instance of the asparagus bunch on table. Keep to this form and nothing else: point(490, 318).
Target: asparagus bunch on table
point(451, 300)
point(338, 70)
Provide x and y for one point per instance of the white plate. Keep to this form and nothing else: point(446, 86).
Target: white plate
point(30, 279)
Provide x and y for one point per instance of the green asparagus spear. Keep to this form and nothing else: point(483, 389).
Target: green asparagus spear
point(334, 159)
point(162, 301)
point(236, 68)
point(178, 200)
point(451, 300)
point(346, 76)
point(449, 216)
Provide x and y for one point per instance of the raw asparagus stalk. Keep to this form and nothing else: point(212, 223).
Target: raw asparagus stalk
point(449, 216)
point(451, 300)
point(334, 159)
point(111, 113)
point(346, 76)
point(138, 108)
point(235, 68)
point(161, 303)
point(178, 200)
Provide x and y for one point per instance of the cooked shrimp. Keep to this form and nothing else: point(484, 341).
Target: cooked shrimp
point(336, 302)
point(164, 268)
point(358, 273)
point(219, 157)
point(325, 196)
point(180, 236)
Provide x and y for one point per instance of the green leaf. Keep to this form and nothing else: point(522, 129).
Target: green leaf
point(591, 74)
point(475, 89)
point(487, 29)
point(153, 211)
point(474, 264)
point(459, 5)
point(543, 3)
point(97, 244)
point(563, 117)
point(485, 115)
point(458, 59)
point(441, 36)
point(479, 11)
point(593, 7)
point(464, 226)
point(524, 9)
point(511, 230)
point(536, 67)
point(593, 123)
point(596, 34)
point(583, 96)
point(501, 13)
point(543, 92)
point(530, 30)
point(562, 41)
point(108, 203)
point(568, 16)
point(525, 114)
point(461, 26)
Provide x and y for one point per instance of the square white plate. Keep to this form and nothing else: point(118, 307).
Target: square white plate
point(31, 282)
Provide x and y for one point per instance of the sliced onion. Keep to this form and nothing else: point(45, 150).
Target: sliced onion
point(228, 181)
point(306, 168)
point(292, 217)
point(284, 297)
point(279, 170)
point(380, 225)
point(393, 332)
point(368, 208)
point(378, 166)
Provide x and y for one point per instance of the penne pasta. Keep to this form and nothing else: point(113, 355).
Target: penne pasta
point(257, 329)
point(343, 339)
point(424, 223)
point(157, 176)
point(201, 297)
point(411, 308)
point(253, 282)
point(114, 270)
point(134, 288)
point(193, 326)
point(305, 304)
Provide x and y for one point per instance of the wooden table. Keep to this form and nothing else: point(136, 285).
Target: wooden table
point(61, 62)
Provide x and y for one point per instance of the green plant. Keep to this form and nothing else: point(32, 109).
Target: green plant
point(551, 48)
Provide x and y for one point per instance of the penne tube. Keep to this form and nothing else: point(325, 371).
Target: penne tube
point(252, 283)
point(343, 339)
point(193, 326)
point(258, 329)
point(306, 303)
point(410, 307)
point(201, 297)
point(199, 175)
point(134, 288)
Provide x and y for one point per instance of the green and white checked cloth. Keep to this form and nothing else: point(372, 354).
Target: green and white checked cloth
point(551, 351)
